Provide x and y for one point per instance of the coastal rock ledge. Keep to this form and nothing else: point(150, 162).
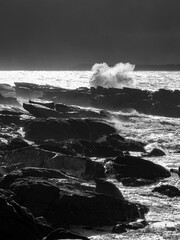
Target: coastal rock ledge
point(64, 200)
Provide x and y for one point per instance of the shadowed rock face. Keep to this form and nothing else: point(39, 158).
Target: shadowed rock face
point(39, 130)
point(81, 167)
point(69, 201)
point(17, 222)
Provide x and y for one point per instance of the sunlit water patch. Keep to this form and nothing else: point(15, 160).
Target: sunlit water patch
point(147, 80)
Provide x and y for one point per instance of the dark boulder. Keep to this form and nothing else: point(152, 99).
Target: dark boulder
point(71, 202)
point(63, 129)
point(17, 222)
point(168, 190)
point(156, 153)
point(129, 166)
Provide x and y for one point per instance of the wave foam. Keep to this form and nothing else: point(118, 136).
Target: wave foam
point(111, 77)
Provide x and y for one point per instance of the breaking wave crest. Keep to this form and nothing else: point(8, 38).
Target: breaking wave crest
point(117, 76)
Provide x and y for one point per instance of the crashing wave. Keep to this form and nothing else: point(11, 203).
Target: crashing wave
point(117, 76)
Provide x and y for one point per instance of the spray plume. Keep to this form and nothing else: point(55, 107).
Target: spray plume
point(111, 77)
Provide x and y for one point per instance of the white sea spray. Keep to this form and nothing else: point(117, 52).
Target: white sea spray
point(116, 76)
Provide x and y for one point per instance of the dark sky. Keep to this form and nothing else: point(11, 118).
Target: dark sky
point(58, 34)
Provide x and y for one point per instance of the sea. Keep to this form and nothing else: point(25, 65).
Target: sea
point(161, 132)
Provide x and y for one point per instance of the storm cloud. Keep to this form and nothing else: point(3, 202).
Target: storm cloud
point(59, 34)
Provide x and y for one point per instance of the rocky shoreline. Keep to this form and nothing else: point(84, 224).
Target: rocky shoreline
point(57, 156)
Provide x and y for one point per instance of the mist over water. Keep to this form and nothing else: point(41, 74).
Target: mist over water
point(112, 77)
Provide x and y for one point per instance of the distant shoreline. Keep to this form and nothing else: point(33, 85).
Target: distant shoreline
point(166, 67)
point(88, 67)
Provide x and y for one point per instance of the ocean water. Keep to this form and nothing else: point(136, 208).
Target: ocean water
point(161, 132)
point(74, 79)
